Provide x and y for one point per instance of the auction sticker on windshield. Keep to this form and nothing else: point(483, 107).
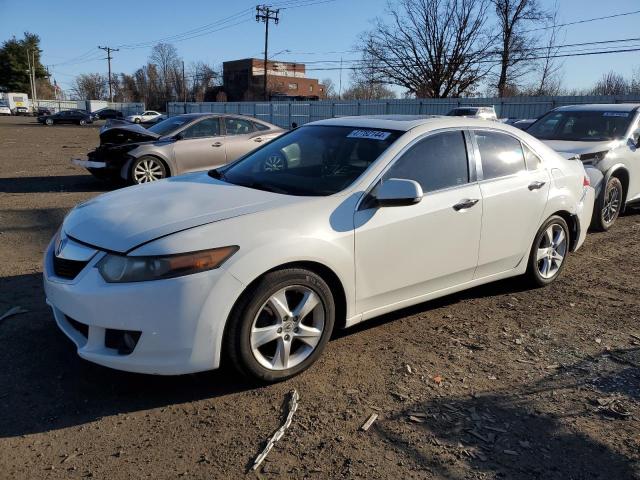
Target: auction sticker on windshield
point(371, 134)
point(615, 114)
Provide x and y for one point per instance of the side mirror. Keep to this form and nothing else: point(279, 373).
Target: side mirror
point(397, 192)
point(635, 136)
point(178, 136)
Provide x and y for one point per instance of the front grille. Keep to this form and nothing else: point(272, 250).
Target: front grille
point(67, 268)
point(80, 327)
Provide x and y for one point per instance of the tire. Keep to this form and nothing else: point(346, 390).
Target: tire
point(543, 270)
point(608, 206)
point(137, 120)
point(82, 122)
point(48, 122)
point(147, 169)
point(262, 361)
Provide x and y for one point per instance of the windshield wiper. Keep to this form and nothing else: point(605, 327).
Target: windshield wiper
point(265, 187)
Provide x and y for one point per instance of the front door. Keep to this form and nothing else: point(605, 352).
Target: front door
point(514, 200)
point(406, 252)
point(200, 147)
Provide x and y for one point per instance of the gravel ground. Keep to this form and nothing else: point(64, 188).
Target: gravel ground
point(495, 382)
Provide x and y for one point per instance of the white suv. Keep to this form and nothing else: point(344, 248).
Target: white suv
point(484, 113)
point(605, 138)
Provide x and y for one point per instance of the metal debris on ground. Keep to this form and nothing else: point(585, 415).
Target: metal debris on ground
point(372, 418)
point(293, 406)
point(13, 311)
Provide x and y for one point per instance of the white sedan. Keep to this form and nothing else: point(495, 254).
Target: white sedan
point(329, 225)
point(145, 116)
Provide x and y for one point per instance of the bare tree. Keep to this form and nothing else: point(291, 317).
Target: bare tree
point(634, 85)
point(433, 48)
point(611, 83)
point(550, 67)
point(204, 78)
point(90, 86)
point(366, 83)
point(515, 51)
point(329, 88)
point(165, 57)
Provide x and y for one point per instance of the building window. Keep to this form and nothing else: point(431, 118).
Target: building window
point(311, 88)
point(293, 86)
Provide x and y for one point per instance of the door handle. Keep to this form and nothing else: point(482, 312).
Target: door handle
point(217, 144)
point(257, 139)
point(464, 204)
point(537, 185)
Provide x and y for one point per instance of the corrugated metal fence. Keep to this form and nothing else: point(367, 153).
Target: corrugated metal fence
point(91, 105)
point(284, 114)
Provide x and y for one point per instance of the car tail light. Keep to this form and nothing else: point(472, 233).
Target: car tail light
point(586, 182)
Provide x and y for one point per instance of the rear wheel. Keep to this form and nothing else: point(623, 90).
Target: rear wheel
point(608, 205)
point(548, 252)
point(280, 327)
point(82, 122)
point(147, 169)
point(48, 121)
point(137, 120)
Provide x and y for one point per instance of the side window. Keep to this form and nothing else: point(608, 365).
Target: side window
point(209, 127)
point(501, 154)
point(533, 161)
point(237, 126)
point(260, 126)
point(439, 161)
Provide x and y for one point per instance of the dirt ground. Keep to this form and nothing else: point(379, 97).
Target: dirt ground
point(495, 382)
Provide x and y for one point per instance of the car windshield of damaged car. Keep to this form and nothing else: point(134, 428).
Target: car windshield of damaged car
point(165, 127)
point(310, 161)
point(581, 126)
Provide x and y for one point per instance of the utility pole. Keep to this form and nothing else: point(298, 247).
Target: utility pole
point(264, 13)
point(184, 89)
point(109, 57)
point(340, 88)
point(30, 72)
point(33, 69)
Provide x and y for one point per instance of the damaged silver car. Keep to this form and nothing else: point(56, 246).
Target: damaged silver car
point(179, 144)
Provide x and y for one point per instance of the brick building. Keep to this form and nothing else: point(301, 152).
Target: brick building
point(243, 80)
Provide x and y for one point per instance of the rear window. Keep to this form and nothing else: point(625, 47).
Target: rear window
point(462, 112)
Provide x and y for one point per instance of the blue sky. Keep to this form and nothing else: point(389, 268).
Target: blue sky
point(71, 30)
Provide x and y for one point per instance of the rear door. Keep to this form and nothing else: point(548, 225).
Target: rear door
point(241, 137)
point(514, 199)
point(201, 146)
point(409, 251)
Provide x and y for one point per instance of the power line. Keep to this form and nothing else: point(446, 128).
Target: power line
point(587, 20)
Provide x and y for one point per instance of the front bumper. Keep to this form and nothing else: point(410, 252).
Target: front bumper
point(584, 211)
point(181, 320)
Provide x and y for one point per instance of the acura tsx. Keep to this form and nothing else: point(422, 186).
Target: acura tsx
point(256, 262)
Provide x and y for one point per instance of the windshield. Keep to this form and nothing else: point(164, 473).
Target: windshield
point(583, 126)
point(169, 125)
point(313, 160)
point(462, 112)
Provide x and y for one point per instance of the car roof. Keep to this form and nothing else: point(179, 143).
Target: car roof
point(600, 107)
point(406, 122)
point(193, 116)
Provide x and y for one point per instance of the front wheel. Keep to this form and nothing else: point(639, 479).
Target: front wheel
point(280, 327)
point(82, 122)
point(548, 252)
point(48, 121)
point(147, 169)
point(608, 205)
point(137, 120)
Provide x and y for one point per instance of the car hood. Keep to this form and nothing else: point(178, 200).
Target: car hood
point(568, 149)
point(124, 219)
point(129, 133)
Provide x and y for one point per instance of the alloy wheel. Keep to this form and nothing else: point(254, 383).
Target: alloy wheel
point(611, 206)
point(148, 170)
point(552, 248)
point(287, 328)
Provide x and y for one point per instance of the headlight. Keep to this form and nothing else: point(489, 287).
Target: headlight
point(120, 268)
